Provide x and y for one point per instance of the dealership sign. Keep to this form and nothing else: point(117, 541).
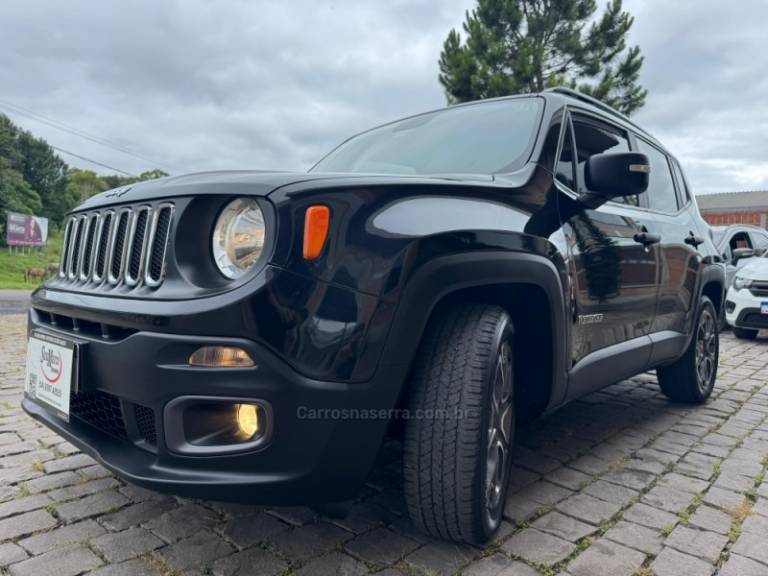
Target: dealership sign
point(26, 230)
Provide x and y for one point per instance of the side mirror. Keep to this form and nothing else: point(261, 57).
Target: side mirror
point(615, 175)
point(742, 253)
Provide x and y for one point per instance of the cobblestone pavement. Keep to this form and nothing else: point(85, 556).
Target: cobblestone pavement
point(620, 483)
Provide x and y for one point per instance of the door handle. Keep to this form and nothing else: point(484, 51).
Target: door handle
point(694, 240)
point(646, 238)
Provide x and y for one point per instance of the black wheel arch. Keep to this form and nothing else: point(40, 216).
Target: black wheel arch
point(712, 285)
point(493, 276)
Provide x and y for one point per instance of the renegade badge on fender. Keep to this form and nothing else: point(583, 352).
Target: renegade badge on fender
point(252, 336)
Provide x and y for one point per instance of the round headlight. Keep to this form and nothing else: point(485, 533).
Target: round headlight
point(238, 237)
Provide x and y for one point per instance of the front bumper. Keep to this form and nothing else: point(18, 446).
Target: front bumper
point(320, 448)
point(742, 310)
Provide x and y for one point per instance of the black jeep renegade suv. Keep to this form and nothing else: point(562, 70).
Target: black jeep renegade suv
point(252, 336)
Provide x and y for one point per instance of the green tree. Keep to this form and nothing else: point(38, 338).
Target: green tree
point(35, 180)
point(82, 184)
point(46, 173)
point(115, 180)
point(31, 168)
point(16, 195)
point(515, 46)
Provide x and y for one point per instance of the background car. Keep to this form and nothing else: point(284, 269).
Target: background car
point(746, 306)
point(739, 243)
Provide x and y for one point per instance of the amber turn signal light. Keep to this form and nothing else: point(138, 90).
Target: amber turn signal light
point(316, 222)
point(221, 357)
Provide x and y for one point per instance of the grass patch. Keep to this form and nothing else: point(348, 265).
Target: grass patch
point(667, 530)
point(741, 512)
point(158, 566)
point(618, 464)
point(13, 265)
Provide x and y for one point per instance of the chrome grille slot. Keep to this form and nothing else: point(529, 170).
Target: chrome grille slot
point(121, 248)
point(157, 245)
point(64, 262)
point(119, 243)
point(102, 246)
point(137, 245)
point(74, 247)
point(88, 246)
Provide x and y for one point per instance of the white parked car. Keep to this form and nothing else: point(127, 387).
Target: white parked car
point(746, 306)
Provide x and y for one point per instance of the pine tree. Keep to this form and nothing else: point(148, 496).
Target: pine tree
point(515, 46)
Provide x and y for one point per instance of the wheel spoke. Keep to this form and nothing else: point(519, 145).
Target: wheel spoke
point(500, 423)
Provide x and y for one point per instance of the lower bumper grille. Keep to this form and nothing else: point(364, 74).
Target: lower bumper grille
point(145, 423)
point(100, 410)
point(756, 319)
point(104, 412)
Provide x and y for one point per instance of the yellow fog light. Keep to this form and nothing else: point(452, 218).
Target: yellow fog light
point(221, 357)
point(248, 420)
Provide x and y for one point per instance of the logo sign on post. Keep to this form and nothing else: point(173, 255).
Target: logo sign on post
point(26, 230)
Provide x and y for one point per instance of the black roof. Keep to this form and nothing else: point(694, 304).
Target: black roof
point(596, 105)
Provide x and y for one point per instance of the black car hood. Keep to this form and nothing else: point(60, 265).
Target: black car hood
point(251, 183)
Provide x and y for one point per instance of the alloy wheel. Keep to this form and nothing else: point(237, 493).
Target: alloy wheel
point(500, 429)
point(706, 350)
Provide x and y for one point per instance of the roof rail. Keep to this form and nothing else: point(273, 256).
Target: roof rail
point(596, 103)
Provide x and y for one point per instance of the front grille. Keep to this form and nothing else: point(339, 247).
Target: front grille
point(759, 289)
point(117, 247)
point(145, 423)
point(100, 410)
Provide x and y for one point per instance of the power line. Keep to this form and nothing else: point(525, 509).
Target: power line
point(26, 112)
point(92, 161)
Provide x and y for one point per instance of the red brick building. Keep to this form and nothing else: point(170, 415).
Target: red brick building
point(735, 208)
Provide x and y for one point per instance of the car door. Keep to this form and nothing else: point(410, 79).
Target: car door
point(613, 272)
point(679, 258)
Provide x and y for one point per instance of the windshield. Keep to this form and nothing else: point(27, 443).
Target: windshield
point(476, 139)
point(717, 234)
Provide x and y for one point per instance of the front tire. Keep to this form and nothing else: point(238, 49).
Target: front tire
point(744, 333)
point(692, 377)
point(456, 450)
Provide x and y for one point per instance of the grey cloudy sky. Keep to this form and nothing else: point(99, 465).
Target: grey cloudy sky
point(198, 84)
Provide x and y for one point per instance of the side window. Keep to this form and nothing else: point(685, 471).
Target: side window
point(564, 169)
point(683, 196)
point(760, 241)
point(593, 138)
point(740, 240)
point(661, 187)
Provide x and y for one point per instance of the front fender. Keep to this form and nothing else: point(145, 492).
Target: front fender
point(432, 279)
